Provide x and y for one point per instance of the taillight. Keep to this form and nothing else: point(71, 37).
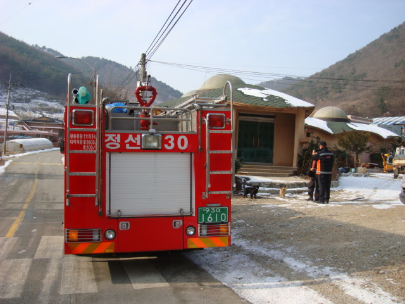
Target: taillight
point(83, 235)
point(72, 235)
point(216, 121)
point(214, 229)
point(83, 118)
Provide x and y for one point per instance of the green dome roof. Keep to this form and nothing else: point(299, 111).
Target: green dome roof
point(190, 93)
point(218, 81)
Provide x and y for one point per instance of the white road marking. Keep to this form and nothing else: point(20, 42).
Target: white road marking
point(143, 274)
point(50, 247)
point(5, 245)
point(77, 275)
point(12, 277)
point(50, 280)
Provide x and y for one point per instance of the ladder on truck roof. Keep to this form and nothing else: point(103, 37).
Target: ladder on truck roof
point(96, 130)
point(201, 103)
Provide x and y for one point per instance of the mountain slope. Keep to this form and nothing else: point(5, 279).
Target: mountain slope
point(31, 67)
point(280, 84)
point(121, 80)
point(369, 82)
point(37, 68)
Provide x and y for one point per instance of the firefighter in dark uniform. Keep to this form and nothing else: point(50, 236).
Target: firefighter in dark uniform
point(324, 163)
point(313, 188)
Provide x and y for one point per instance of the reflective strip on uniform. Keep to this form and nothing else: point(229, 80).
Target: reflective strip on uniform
point(323, 172)
point(87, 248)
point(325, 153)
point(208, 242)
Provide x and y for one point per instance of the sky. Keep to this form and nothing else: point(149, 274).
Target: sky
point(272, 38)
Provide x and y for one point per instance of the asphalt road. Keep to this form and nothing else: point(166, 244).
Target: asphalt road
point(33, 268)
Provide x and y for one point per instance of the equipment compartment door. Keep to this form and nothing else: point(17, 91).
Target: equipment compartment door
point(149, 184)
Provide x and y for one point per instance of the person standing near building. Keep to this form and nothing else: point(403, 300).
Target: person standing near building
point(313, 189)
point(324, 163)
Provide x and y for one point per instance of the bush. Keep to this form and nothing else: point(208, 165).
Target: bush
point(238, 164)
point(305, 158)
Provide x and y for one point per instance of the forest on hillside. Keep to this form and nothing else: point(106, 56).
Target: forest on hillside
point(30, 67)
point(369, 82)
point(37, 68)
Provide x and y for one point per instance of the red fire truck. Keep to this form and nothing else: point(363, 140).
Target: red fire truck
point(141, 178)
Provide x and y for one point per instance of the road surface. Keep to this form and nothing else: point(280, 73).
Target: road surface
point(33, 268)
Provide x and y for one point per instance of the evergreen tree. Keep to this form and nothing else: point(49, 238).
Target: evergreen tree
point(355, 142)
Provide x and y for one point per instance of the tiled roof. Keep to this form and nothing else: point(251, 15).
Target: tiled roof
point(339, 127)
point(248, 94)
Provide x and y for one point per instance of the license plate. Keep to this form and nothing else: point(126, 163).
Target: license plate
point(212, 214)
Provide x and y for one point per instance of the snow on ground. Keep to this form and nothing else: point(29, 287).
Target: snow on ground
point(258, 284)
point(9, 158)
point(374, 188)
point(248, 278)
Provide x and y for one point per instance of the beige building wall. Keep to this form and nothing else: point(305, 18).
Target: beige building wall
point(299, 133)
point(330, 139)
point(288, 130)
point(284, 140)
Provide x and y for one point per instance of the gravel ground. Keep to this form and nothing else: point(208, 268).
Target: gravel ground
point(340, 250)
point(290, 250)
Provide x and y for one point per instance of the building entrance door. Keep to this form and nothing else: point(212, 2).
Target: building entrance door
point(256, 138)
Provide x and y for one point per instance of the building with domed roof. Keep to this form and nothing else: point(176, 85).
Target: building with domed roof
point(327, 122)
point(331, 114)
point(216, 82)
point(268, 124)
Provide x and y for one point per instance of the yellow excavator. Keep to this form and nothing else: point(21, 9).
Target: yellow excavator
point(387, 163)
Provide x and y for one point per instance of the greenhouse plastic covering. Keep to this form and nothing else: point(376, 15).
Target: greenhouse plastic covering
point(28, 144)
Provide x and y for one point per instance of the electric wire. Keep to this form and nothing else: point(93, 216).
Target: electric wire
point(161, 40)
point(163, 33)
point(4, 21)
point(313, 81)
point(150, 46)
point(132, 73)
point(127, 79)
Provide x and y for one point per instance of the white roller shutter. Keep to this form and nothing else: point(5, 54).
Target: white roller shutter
point(151, 183)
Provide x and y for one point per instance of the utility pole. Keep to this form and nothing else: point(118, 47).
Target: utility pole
point(142, 74)
point(7, 106)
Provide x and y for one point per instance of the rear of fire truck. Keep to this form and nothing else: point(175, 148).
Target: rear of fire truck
point(141, 178)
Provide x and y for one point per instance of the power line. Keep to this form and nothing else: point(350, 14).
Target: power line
point(127, 79)
point(17, 12)
point(157, 43)
point(159, 39)
point(263, 75)
point(162, 27)
point(221, 70)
